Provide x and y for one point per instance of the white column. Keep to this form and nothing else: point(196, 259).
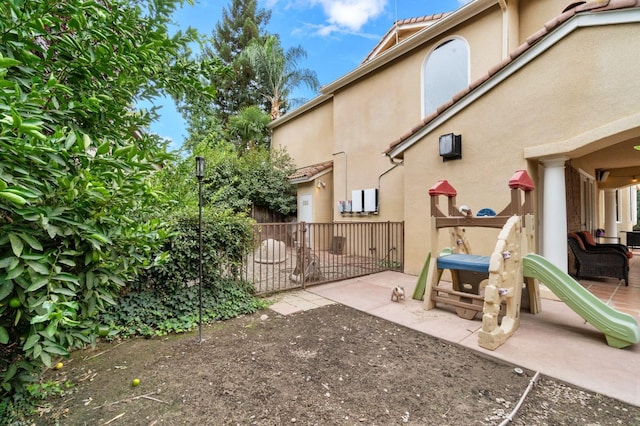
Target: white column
point(610, 223)
point(554, 223)
point(634, 205)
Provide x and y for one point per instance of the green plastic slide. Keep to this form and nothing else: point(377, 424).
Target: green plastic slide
point(421, 286)
point(620, 329)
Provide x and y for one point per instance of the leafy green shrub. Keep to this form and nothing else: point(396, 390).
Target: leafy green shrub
point(165, 298)
point(20, 408)
point(157, 313)
point(226, 240)
point(78, 208)
point(14, 410)
point(258, 177)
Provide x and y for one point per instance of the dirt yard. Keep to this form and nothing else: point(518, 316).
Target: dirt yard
point(328, 366)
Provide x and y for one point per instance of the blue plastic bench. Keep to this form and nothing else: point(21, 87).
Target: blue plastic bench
point(464, 262)
point(467, 270)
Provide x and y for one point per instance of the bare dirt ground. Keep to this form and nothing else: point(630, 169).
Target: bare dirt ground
point(328, 366)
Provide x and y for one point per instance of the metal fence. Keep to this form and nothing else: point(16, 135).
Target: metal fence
point(298, 254)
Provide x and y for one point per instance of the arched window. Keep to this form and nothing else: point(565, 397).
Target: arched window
point(445, 73)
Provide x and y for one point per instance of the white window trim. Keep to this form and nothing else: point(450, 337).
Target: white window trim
point(423, 113)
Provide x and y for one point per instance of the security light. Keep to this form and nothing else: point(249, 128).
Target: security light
point(450, 147)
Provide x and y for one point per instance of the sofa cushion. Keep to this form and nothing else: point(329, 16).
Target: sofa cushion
point(589, 238)
point(578, 239)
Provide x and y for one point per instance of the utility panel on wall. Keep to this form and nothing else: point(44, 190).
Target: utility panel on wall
point(357, 201)
point(344, 206)
point(363, 201)
point(371, 200)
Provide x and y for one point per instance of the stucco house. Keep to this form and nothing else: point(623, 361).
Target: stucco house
point(538, 85)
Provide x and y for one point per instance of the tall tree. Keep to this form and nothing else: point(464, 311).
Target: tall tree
point(248, 128)
point(78, 209)
point(277, 72)
point(242, 22)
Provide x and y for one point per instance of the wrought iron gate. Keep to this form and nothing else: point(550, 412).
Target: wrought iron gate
point(298, 254)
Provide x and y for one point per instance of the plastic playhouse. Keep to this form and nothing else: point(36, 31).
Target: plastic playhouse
point(493, 284)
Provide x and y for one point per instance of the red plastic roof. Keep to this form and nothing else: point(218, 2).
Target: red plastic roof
point(442, 187)
point(521, 180)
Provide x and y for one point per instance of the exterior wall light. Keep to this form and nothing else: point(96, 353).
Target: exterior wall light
point(450, 147)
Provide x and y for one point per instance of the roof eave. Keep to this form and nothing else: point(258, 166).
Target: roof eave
point(541, 46)
point(389, 38)
point(318, 100)
point(439, 27)
point(307, 179)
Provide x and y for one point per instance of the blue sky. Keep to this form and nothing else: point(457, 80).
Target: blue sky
point(336, 34)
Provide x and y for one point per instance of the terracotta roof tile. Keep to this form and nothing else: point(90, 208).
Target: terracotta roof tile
point(554, 22)
point(461, 94)
point(621, 4)
point(593, 6)
point(410, 132)
point(416, 128)
point(478, 81)
point(535, 37)
point(519, 50)
point(429, 117)
point(442, 108)
point(497, 67)
point(309, 172)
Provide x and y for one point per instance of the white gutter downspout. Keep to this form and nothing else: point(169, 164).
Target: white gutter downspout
point(510, 26)
point(505, 27)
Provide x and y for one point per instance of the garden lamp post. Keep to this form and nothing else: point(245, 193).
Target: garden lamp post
point(200, 175)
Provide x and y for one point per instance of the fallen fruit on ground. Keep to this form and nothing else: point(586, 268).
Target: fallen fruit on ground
point(135, 382)
point(103, 330)
point(58, 366)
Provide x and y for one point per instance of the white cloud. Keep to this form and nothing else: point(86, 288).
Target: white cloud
point(330, 30)
point(350, 15)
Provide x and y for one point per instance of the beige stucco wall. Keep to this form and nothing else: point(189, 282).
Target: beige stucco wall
point(367, 116)
point(308, 138)
point(484, 37)
point(322, 197)
point(370, 114)
point(562, 93)
point(535, 13)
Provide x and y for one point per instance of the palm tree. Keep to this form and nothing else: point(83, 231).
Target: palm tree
point(277, 72)
point(249, 128)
